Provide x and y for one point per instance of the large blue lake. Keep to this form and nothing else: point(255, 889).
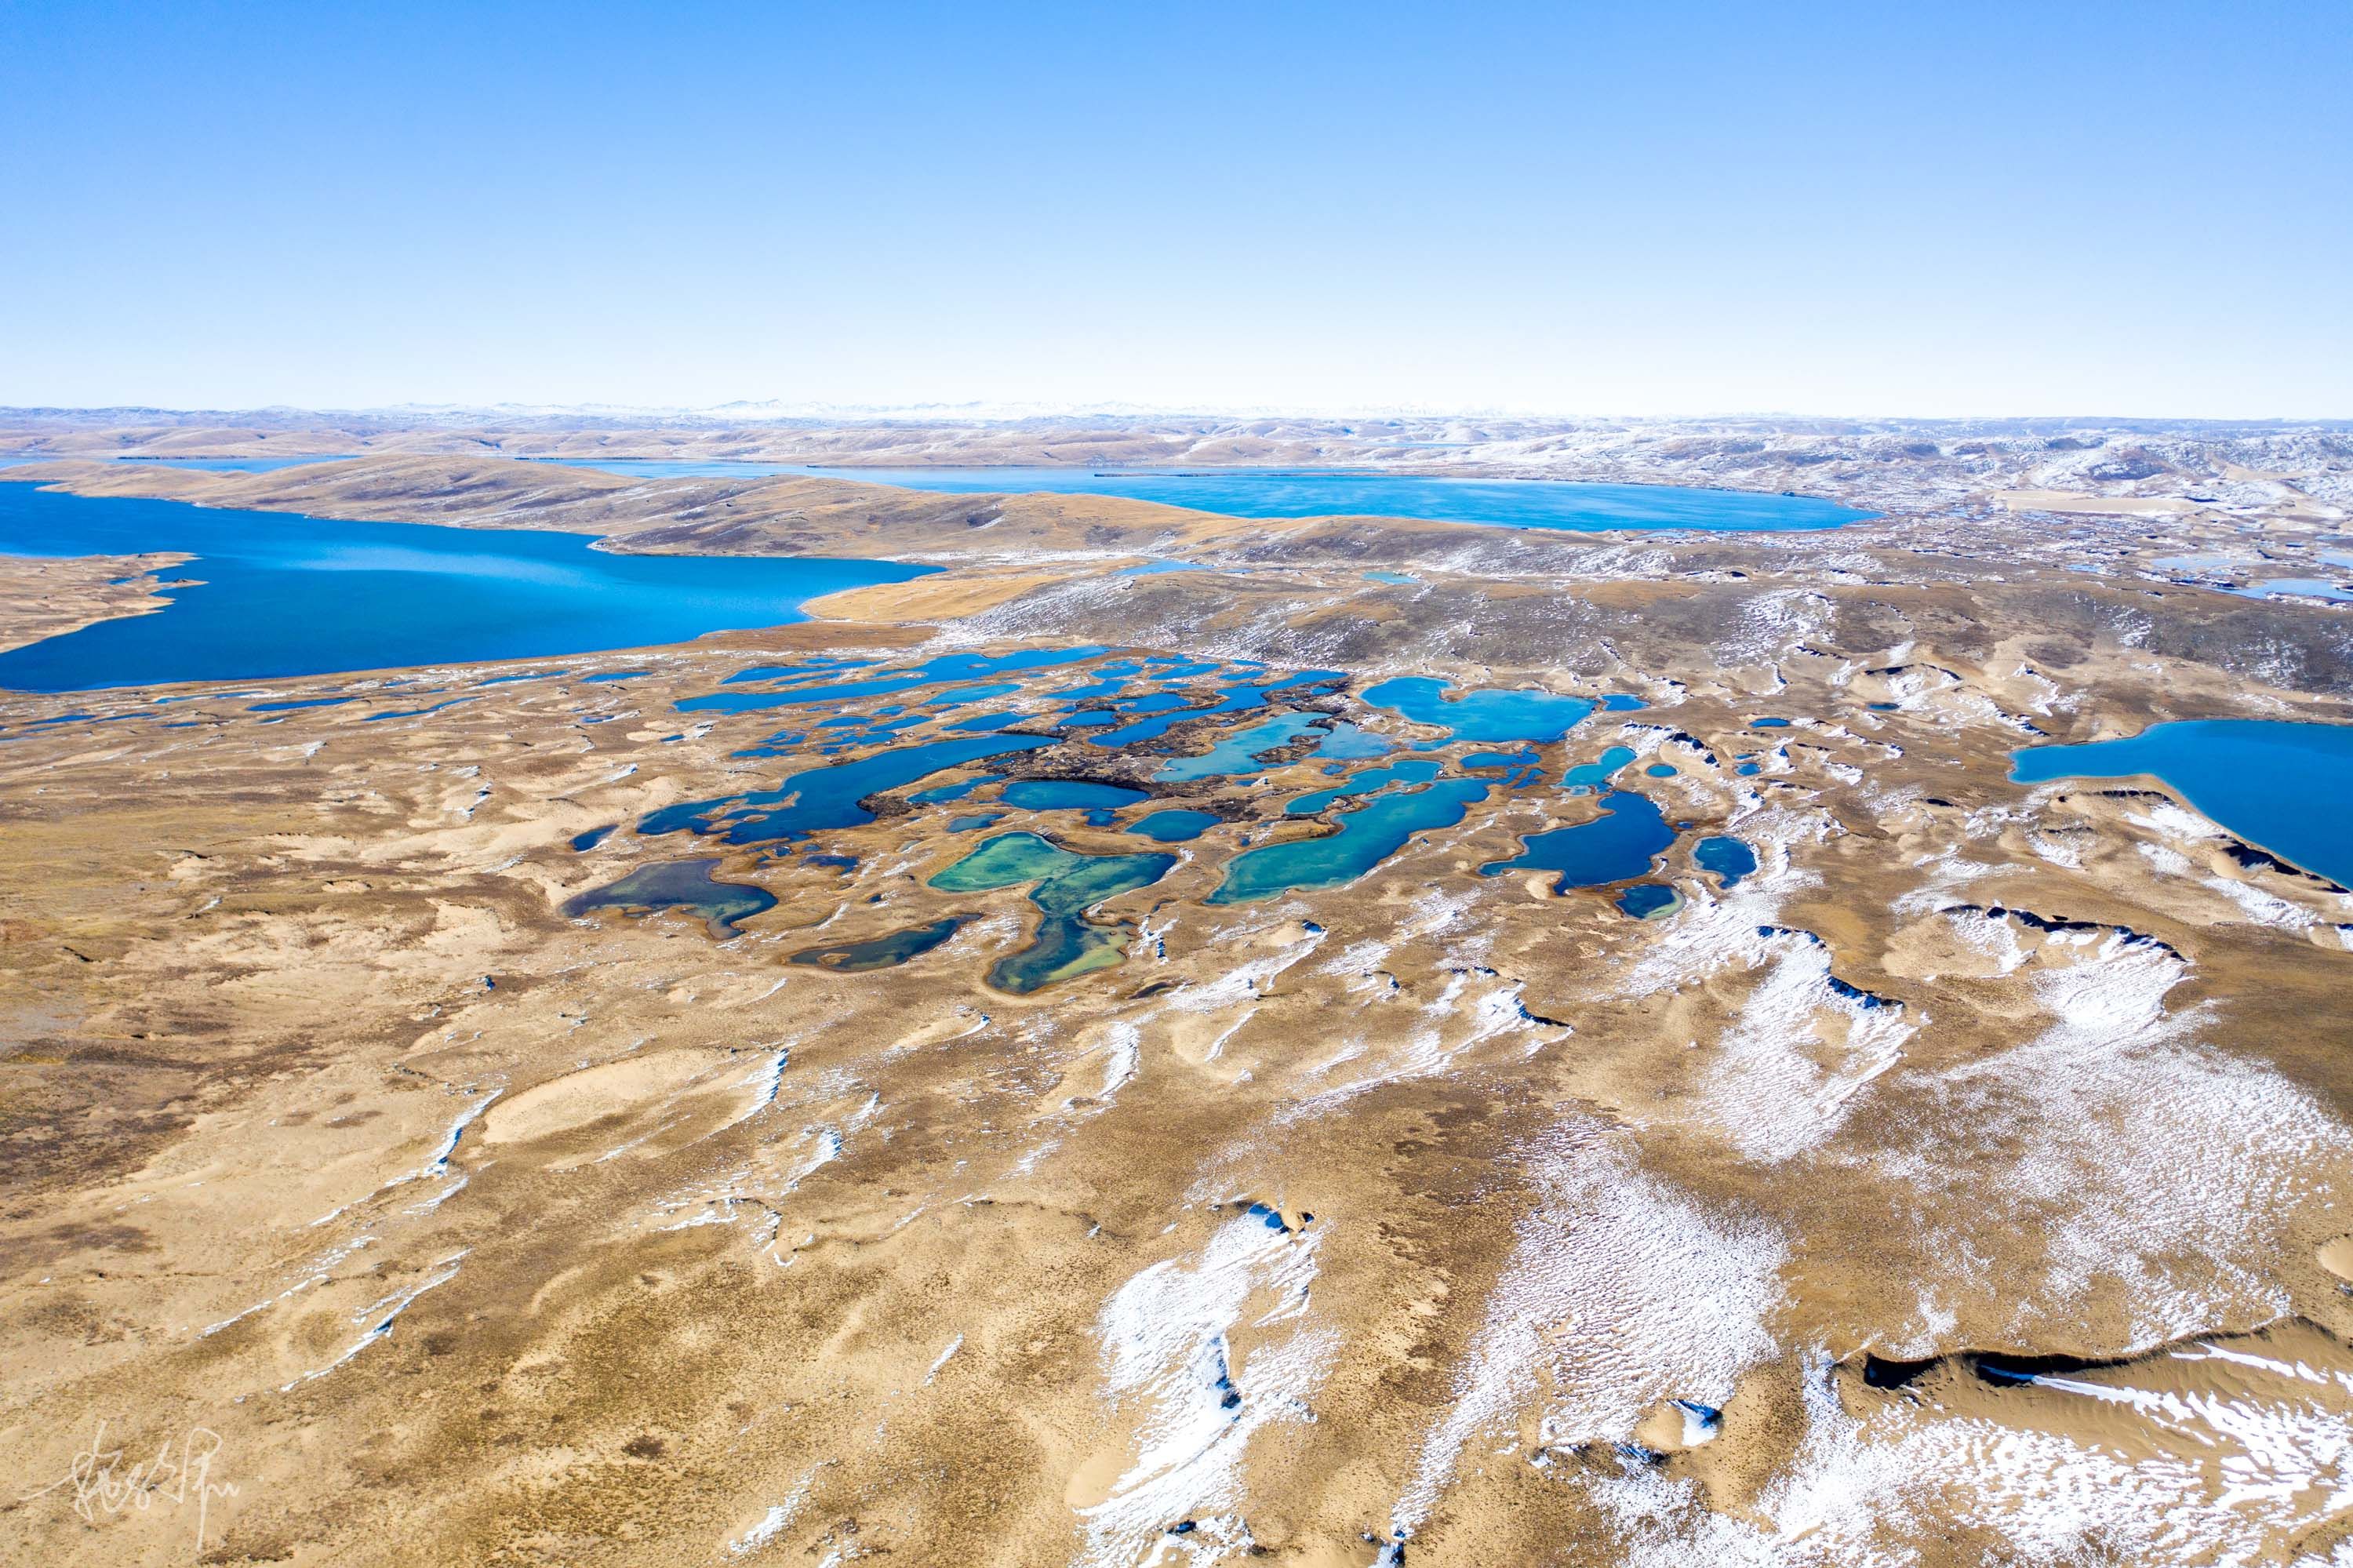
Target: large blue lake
point(284, 595)
point(1242, 493)
point(1258, 493)
point(2285, 787)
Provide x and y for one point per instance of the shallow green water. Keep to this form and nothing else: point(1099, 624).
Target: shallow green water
point(1068, 884)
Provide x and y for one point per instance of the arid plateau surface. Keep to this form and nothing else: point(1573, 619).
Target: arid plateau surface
point(1146, 1035)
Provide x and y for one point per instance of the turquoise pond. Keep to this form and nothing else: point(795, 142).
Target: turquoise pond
point(1367, 836)
point(1243, 492)
point(2284, 786)
point(281, 595)
point(1486, 716)
point(1239, 752)
point(1097, 800)
point(1069, 794)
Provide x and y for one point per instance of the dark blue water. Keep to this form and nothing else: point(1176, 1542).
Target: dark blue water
point(883, 952)
point(680, 884)
point(827, 796)
point(1614, 847)
point(1505, 503)
point(285, 595)
point(2284, 786)
point(1728, 858)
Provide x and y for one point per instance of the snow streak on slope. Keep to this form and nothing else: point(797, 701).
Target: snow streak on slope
point(2247, 1465)
point(2173, 1165)
point(1171, 1366)
point(1804, 1046)
point(1620, 1293)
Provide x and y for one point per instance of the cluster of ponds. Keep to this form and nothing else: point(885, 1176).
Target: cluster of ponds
point(1377, 797)
point(964, 713)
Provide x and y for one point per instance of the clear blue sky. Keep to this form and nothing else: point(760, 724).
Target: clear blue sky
point(1881, 208)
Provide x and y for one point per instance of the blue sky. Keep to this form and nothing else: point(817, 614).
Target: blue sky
point(2143, 209)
